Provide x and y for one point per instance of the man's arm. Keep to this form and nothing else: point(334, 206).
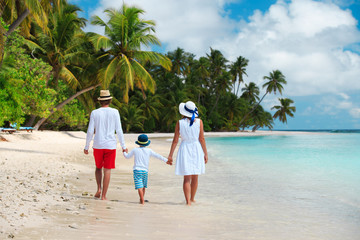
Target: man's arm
point(119, 131)
point(90, 133)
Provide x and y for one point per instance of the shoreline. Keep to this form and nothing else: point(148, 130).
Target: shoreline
point(48, 181)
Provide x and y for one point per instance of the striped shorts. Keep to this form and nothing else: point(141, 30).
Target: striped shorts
point(140, 178)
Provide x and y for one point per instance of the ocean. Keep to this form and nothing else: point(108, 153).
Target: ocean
point(303, 186)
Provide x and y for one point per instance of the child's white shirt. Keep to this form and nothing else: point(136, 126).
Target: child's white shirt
point(142, 157)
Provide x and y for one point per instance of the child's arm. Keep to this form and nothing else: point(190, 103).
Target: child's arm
point(174, 142)
point(202, 141)
point(158, 156)
point(129, 155)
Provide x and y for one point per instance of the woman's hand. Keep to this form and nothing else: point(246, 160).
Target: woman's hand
point(206, 158)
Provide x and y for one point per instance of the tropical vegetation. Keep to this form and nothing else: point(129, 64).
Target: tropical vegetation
point(51, 72)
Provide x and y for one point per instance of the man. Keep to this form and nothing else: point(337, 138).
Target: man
point(104, 122)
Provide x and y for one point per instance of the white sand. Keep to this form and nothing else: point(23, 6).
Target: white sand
point(47, 184)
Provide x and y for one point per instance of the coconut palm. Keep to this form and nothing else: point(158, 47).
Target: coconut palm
point(133, 118)
point(63, 48)
point(125, 33)
point(274, 84)
point(238, 69)
point(218, 64)
point(250, 92)
point(15, 14)
point(179, 60)
point(58, 46)
point(284, 109)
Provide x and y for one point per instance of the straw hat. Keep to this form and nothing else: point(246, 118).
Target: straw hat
point(143, 140)
point(104, 95)
point(188, 109)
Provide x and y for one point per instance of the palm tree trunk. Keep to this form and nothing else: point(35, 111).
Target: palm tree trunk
point(31, 121)
point(215, 105)
point(252, 110)
point(17, 22)
point(12, 28)
point(238, 88)
point(62, 104)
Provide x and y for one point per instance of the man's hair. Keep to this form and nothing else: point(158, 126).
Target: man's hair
point(105, 102)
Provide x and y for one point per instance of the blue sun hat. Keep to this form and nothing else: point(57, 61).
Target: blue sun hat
point(143, 140)
point(190, 110)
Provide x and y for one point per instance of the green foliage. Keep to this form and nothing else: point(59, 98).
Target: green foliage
point(60, 60)
point(23, 88)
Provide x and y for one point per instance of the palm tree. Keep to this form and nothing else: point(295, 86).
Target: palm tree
point(238, 69)
point(276, 79)
point(59, 45)
point(284, 109)
point(15, 13)
point(133, 118)
point(63, 47)
point(179, 59)
point(125, 33)
point(250, 92)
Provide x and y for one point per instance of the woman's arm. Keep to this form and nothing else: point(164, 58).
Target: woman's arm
point(202, 141)
point(174, 142)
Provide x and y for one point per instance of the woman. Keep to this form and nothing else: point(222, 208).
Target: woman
point(192, 155)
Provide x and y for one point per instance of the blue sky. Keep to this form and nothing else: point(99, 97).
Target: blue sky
point(316, 44)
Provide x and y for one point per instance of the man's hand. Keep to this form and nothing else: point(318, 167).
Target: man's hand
point(86, 151)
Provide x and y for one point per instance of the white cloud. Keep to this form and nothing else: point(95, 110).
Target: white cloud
point(305, 39)
point(191, 25)
point(355, 112)
point(333, 105)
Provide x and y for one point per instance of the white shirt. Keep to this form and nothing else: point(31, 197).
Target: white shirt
point(142, 157)
point(104, 122)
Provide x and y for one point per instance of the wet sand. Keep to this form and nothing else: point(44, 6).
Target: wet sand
point(47, 186)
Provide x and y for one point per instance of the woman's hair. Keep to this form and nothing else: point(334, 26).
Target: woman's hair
point(105, 102)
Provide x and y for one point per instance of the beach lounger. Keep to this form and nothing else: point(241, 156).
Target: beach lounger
point(28, 129)
point(8, 130)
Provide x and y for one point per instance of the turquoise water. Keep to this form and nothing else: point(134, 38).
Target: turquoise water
point(310, 181)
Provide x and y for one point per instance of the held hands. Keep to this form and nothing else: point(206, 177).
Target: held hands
point(125, 150)
point(170, 160)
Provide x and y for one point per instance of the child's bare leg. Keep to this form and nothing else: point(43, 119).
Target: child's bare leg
point(141, 192)
point(98, 177)
point(106, 182)
point(187, 189)
point(194, 185)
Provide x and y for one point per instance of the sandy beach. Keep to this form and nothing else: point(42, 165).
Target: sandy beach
point(47, 186)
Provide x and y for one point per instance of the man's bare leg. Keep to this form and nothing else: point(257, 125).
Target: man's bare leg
point(187, 189)
point(98, 177)
point(106, 182)
point(194, 185)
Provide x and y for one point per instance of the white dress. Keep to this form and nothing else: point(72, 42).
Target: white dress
point(190, 156)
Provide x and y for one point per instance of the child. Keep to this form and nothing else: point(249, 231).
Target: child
point(141, 164)
point(192, 154)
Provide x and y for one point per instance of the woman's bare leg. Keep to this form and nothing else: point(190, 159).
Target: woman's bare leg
point(194, 185)
point(187, 189)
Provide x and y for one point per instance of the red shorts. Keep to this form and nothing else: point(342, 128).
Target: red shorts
point(105, 158)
